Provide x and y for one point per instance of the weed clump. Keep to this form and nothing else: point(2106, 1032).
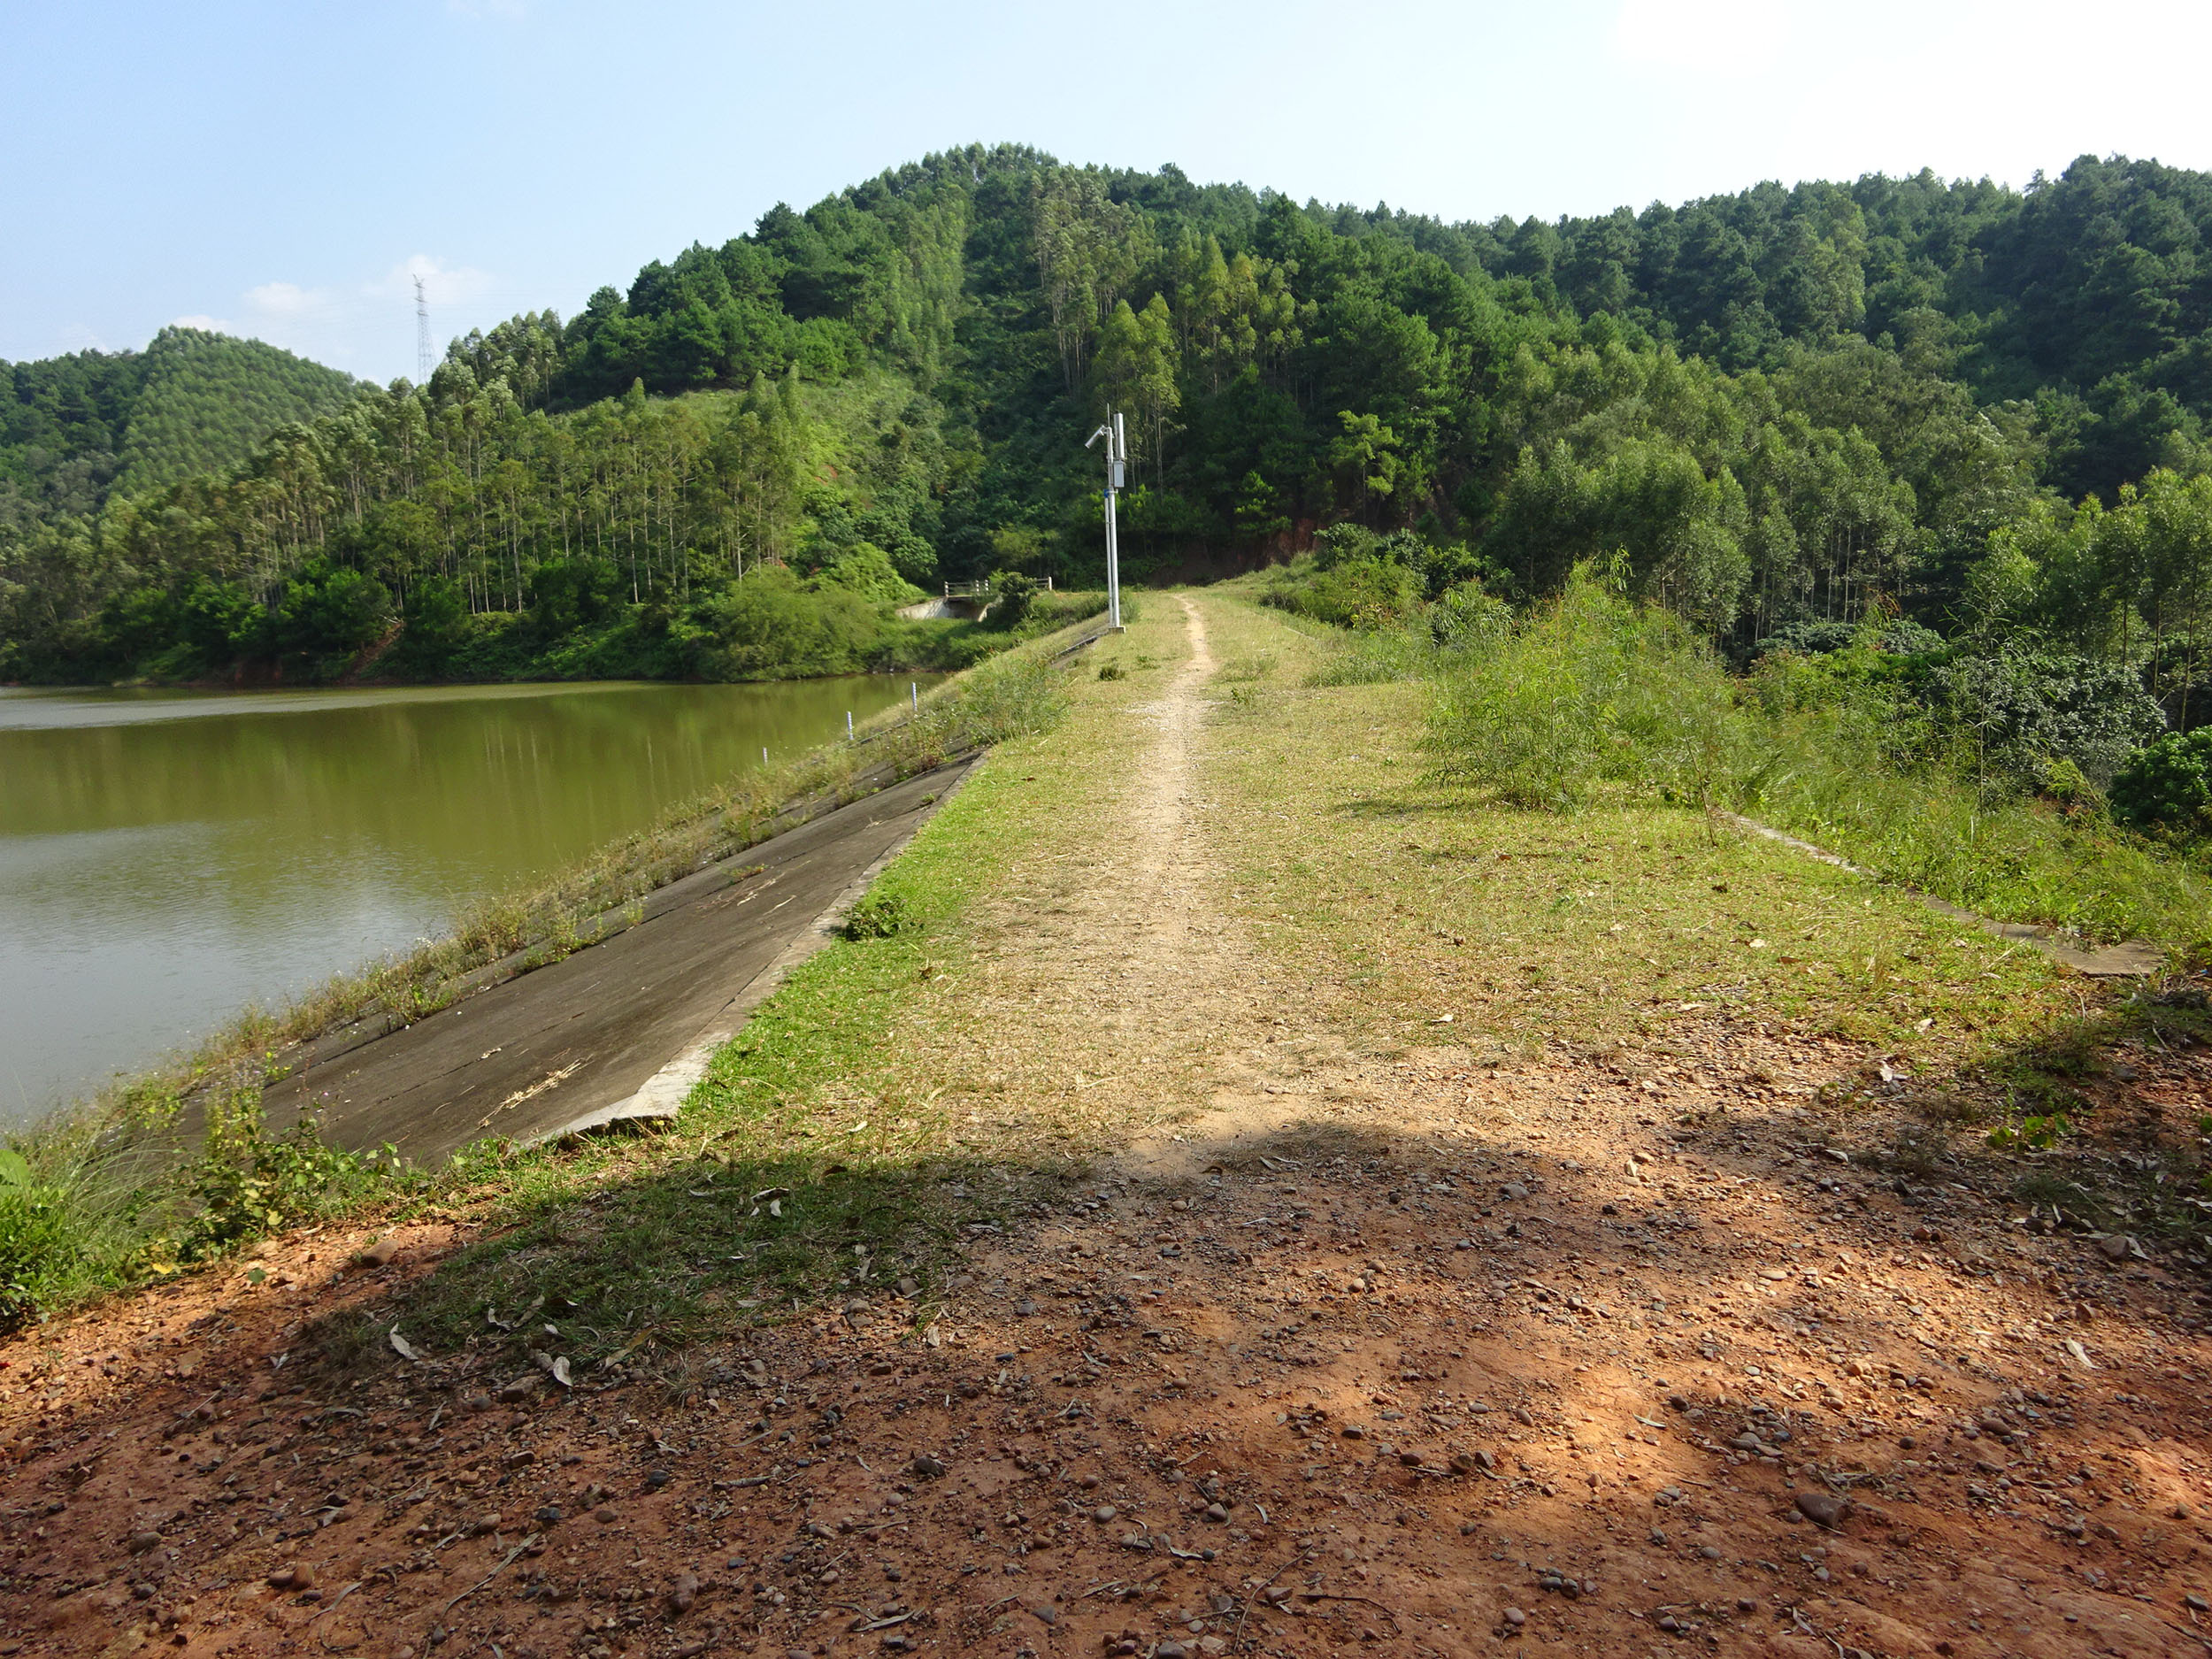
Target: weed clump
point(247, 1183)
point(2169, 785)
point(877, 916)
point(1589, 693)
point(1588, 689)
point(35, 1243)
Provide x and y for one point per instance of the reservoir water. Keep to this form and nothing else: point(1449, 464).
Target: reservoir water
point(168, 858)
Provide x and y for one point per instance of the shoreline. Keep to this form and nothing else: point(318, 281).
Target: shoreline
point(911, 646)
point(169, 858)
point(99, 1154)
point(817, 782)
point(293, 688)
point(619, 1029)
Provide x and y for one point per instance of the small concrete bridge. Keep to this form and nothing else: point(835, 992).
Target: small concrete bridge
point(968, 601)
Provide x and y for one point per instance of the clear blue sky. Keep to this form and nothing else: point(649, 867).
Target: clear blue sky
point(279, 169)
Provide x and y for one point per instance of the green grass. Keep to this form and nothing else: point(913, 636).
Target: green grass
point(1823, 775)
point(1408, 896)
point(753, 1202)
point(1604, 919)
point(1591, 696)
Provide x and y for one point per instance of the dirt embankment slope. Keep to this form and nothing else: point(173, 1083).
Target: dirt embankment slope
point(1430, 1345)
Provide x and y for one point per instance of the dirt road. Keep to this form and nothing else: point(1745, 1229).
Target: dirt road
point(1403, 1353)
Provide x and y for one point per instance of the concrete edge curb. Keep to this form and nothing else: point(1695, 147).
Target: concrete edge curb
point(2130, 959)
point(606, 925)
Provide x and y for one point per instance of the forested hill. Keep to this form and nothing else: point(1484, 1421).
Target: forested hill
point(208, 399)
point(2090, 296)
point(76, 428)
point(1984, 408)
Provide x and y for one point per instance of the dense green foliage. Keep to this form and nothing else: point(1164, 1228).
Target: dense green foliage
point(76, 430)
point(1588, 694)
point(2086, 294)
point(2169, 785)
point(1980, 409)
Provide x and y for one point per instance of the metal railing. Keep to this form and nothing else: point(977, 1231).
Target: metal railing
point(979, 590)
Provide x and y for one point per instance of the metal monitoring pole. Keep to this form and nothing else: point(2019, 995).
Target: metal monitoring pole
point(1116, 459)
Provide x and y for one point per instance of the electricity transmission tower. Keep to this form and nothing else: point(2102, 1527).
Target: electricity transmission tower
point(422, 335)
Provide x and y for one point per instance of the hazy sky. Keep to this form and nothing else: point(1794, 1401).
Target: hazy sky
point(280, 169)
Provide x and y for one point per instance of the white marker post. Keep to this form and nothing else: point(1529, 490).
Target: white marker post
point(1116, 459)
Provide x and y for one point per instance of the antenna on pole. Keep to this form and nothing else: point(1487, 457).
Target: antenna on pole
point(1116, 459)
point(422, 335)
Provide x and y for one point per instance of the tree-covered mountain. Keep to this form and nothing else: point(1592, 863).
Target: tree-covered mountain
point(1978, 407)
point(76, 429)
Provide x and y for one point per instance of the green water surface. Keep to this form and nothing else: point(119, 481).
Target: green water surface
point(167, 858)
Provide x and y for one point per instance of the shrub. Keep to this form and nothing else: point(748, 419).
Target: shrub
point(437, 616)
point(1017, 593)
point(564, 595)
point(222, 622)
point(1856, 749)
point(1366, 592)
point(2021, 721)
point(329, 609)
point(1589, 687)
point(35, 1240)
point(1466, 617)
point(248, 1183)
point(2022, 708)
point(1851, 752)
point(768, 625)
point(866, 569)
point(1439, 566)
point(2180, 665)
point(2169, 785)
point(1899, 637)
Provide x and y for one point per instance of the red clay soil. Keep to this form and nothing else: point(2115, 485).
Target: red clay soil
point(1641, 1365)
